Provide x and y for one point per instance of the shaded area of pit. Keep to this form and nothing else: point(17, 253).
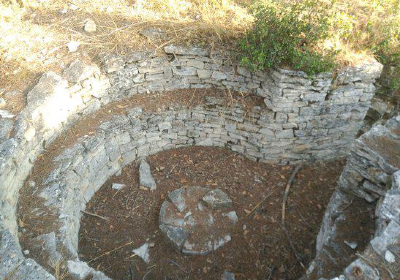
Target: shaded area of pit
point(258, 248)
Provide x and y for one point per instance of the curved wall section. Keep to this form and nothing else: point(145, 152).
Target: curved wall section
point(313, 117)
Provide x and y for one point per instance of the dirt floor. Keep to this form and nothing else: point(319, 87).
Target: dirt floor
point(31, 224)
point(259, 248)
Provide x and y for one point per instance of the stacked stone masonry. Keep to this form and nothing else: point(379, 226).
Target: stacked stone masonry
point(304, 119)
point(372, 173)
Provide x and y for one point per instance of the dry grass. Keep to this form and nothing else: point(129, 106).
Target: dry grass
point(365, 25)
point(35, 33)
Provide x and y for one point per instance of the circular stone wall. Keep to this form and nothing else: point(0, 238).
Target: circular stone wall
point(301, 119)
point(197, 220)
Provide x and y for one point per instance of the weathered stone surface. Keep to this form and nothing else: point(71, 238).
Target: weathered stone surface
point(179, 50)
point(6, 126)
point(3, 103)
point(90, 26)
point(176, 235)
point(78, 71)
point(391, 235)
point(47, 85)
point(360, 268)
point(217, 199)
point(48, 244)
point(4, 114)
point(145, 177)
point(227, 275)
point(117, 186)
point(187, 221)
point(53, 106)
point(112, 63)
point(30, 270)
point(143, 252)
point(366, 175)
point(154, 34)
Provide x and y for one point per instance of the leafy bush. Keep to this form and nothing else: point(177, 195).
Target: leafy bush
point(288, 34)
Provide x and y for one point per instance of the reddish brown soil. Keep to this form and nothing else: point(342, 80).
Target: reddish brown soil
point(259, 248)
point(32, 226)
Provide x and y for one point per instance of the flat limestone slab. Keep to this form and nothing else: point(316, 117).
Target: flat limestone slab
point(197, 220)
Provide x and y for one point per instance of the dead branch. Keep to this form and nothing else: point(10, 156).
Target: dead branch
point(286, 194)
point(109, 252)
point(94, 215)
point(262, 202)
point(287, 233)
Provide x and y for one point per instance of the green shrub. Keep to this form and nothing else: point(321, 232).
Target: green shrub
point(288, 34)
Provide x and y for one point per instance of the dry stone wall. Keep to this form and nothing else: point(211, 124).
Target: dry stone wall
point(304, 118)
point(371, 173)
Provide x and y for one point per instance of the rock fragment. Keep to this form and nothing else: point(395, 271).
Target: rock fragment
point(143, 252)
point(90, 26)
point(117, 186)
point(217, 199)
point(227, 275)
point(175, 234)
point(145, 177)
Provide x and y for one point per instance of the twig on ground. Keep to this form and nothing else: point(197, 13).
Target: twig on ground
point(109, 252)
point(285, 230)
point(94, 215)
point(262, 201)
point(344, 208)
point(178, 266)
point(286, 194)
point(374, 265)
point(150, 270)
point(305, 221)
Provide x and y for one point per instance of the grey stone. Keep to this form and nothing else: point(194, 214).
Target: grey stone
point(211, 100)
point(218, 75)
point(232, 216)
point(30, 270)
point(145, 177)
point(154, 34)
point(390, 257)
point(204, 74)
point(6, 125)
point(284, 134)
point(390, 207)
point(48, 245)
point(3, 103)
point(185, 71)
point(112, 63)
point(117, 186)
point(10, 253)
point(195, 63)
point(177, 235)
point(138, 56)
point(352, 245)
point(180, 50)
point(217, 199)
point(90, 26)
point(367, 70)
point(227, 275)
point(78, 71)
point(49, 84)
point(389, 236)
point(177, 198)
point(79, 269)
point(143, 252)
point(4, 114)
point(367, 272)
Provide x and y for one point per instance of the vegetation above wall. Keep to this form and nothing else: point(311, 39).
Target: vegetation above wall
point(313, 36)
point(316, 36)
